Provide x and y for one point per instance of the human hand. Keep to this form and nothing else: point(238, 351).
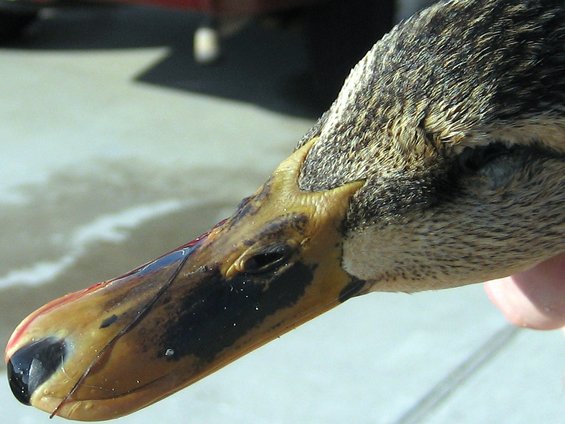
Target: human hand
point(534, 298)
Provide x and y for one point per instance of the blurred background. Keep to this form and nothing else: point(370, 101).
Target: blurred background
point(126, 130)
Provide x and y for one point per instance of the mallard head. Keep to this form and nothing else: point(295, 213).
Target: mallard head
point(441, 163)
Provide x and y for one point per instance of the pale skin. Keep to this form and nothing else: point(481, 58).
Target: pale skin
point(534, 298)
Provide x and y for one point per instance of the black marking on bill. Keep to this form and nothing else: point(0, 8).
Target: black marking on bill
point(353, 288)
point(216, 312)
point(109, 321)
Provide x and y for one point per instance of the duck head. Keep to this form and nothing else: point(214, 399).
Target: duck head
point(441, 163)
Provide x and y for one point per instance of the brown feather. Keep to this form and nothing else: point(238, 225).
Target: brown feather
point(456, 121)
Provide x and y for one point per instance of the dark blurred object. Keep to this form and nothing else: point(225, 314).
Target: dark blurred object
point(337, 32)
point(15, 17)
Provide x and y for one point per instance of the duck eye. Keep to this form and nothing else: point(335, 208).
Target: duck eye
point(267, 259)
point(473, 159)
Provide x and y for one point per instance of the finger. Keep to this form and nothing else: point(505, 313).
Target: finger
point(534, 298)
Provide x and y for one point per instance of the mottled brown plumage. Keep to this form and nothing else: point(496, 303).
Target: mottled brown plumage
point(456, 120)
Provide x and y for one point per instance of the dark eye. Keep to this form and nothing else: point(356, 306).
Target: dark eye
point(473, 159)
point(267, 259)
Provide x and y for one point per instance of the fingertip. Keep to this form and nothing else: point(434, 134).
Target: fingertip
point(519, 309)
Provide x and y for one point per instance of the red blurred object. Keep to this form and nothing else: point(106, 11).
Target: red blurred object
point(228, 8)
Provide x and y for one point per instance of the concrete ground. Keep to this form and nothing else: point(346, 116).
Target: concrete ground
point(115, 147)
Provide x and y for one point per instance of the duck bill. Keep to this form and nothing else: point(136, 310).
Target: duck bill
point(126, 343)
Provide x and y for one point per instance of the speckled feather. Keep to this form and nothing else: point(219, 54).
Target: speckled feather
point(459, 75)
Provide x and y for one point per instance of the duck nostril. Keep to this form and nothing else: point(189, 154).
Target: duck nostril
point(33, 364)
